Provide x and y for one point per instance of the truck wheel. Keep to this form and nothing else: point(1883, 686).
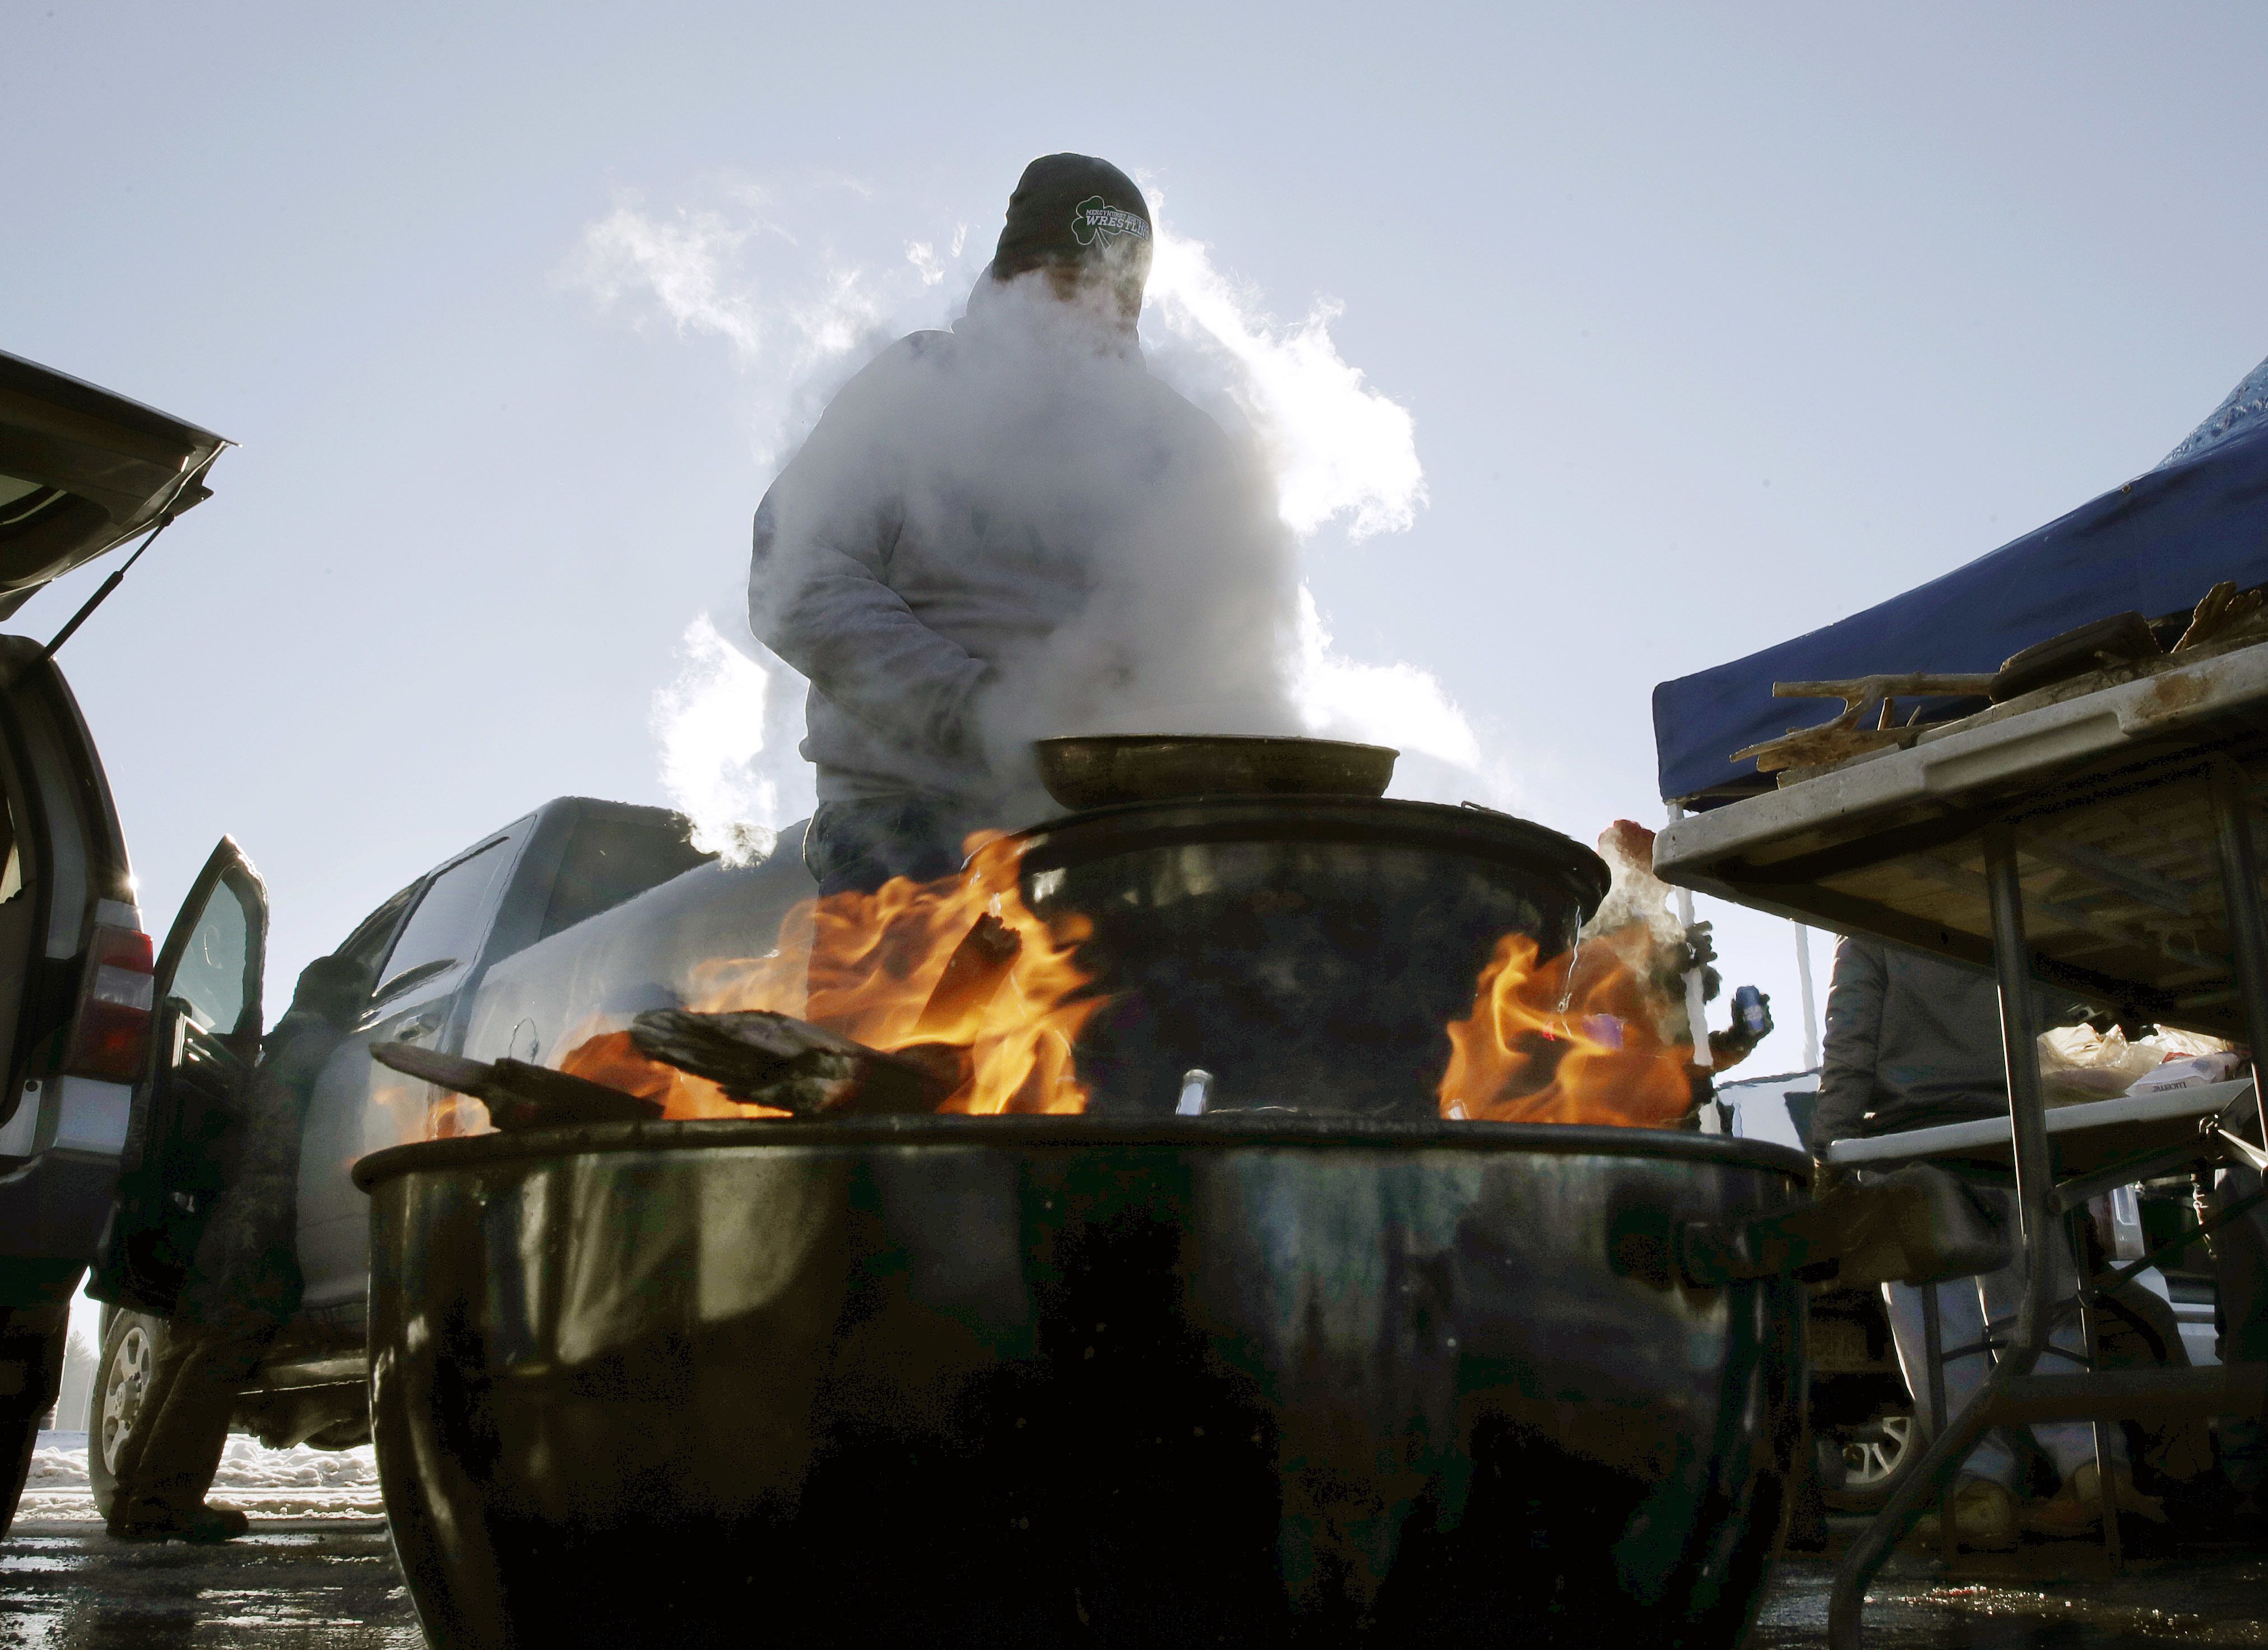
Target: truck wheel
point(121, 1382)
point(31, 1340)
point(1876, 1455)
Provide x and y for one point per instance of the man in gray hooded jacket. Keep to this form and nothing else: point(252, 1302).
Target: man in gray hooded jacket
point(1913, 1041)
point(945, 558)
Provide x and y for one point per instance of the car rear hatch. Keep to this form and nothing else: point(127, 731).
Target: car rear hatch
point(81, 471)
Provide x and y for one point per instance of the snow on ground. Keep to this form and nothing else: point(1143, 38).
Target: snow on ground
point(299, 1482)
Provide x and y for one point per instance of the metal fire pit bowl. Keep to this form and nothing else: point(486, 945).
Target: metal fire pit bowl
point(1103, 770)
point(1308, 952)
point(1058, 1382)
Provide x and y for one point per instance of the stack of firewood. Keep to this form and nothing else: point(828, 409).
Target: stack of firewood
point(2124, 639)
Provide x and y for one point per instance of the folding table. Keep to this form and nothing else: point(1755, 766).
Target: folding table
point(2099, 835)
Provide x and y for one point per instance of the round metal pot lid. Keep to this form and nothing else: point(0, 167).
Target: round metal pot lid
point(1469, 831)
point(1104, 769)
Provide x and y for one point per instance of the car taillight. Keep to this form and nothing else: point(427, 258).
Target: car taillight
point(110, 1039)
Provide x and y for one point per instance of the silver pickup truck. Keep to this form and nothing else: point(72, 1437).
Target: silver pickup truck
point(559, 926)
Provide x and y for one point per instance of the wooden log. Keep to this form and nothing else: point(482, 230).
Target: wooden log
point(1830, 741)
point(1858, 691)
point(2225, 612)
point(769, 1059)
point(518, 1096)
point(973, 976)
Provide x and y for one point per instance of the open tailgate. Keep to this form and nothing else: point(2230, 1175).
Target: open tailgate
point(81, 470)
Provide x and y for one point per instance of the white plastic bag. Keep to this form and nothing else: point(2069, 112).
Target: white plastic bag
point(2077, 1063)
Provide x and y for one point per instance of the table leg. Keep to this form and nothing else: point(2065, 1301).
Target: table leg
point(2012, 958)
point(2240, 893)
point(1932, 1341)
point(2090, 1324)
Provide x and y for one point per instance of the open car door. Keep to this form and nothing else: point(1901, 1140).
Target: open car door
point(184, 1132)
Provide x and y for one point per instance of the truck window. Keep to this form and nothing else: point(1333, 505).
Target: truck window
point(608, 860)
point(445, 929)
point(367, 944)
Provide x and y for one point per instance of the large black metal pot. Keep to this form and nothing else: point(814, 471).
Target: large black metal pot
point(1307, 953)
point(1052, 1382)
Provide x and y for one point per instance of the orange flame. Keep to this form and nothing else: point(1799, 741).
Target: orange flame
point(1572, 1040)
point(420, 1111)
point(868, 965)
point(609, 1058)
point(1585, 1037)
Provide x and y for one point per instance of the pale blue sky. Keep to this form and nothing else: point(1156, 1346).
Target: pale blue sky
point(1717, 324)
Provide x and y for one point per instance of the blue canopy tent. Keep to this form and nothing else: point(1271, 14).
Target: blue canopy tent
point(2153, 546)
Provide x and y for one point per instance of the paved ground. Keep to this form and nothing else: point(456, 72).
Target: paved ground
point(291, 1585)
point(332, 1585)
point(2053, 1595)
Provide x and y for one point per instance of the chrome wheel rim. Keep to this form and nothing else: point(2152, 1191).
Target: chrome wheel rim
point(1876, 1455)
point(122, 1393)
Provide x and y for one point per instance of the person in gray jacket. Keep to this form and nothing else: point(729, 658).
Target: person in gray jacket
point(1913, 1042)
point(243, 1284)
point(1006, 530)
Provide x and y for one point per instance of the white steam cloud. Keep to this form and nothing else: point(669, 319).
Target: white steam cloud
point(1394, 704)
point(1338, 448)
point(684, 263)
point(1338, 452)
point(1113, 555)
point(800, 314)
point(711, 724)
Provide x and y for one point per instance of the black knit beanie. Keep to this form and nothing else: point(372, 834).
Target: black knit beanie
point(1067, 209)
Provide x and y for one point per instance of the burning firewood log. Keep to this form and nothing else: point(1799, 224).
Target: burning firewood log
point(518, 1096)
point(973, 976)
point(769, 1059)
